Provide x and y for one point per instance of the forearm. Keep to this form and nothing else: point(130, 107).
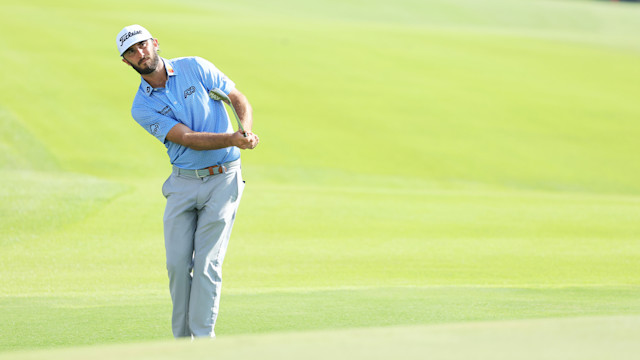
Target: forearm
point(205, 141)
point(245, 113)
point(181, 134)
point(243, 109)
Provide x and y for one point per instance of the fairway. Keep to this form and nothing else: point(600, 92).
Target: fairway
point(581, 338)
point(433, 177)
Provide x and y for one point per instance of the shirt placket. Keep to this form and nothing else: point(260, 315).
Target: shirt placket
point(173, 102)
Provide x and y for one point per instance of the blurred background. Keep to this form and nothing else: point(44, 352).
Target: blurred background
point(420, 162)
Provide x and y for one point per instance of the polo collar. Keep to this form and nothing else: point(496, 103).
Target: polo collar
point(171, 71)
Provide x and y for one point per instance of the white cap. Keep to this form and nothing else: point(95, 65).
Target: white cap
point(130, 35)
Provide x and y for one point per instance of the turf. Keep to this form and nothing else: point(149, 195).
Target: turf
point(427, 164)
point(580, 338)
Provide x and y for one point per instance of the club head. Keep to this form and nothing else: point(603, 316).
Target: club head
point(217, 94)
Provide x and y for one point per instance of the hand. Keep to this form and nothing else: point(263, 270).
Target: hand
point(249, 142)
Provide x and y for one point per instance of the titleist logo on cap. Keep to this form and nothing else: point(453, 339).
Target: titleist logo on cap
point(128, 35)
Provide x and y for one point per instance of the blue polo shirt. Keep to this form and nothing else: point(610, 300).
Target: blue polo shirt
point(185, 99)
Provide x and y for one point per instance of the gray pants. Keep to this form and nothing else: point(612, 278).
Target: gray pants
point(197, 225)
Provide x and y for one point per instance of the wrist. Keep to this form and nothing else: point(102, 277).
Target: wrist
point(230, 140)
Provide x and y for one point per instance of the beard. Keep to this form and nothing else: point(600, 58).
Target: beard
point(153, 65)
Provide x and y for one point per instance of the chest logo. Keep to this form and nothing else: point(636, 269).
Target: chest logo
point(189, 91)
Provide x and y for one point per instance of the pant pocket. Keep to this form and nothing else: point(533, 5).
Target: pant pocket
point(239, 184)
point(165, 186)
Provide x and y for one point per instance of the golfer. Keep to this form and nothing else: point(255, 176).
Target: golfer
point(205, 186)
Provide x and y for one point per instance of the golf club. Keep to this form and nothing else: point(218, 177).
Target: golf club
point(219, 95)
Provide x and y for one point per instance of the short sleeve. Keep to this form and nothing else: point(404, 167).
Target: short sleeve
point(213, 78)
point(153, 122)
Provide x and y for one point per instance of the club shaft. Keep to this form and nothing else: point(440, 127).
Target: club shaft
point(228, 102)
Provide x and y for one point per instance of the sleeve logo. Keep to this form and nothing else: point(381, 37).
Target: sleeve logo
point(153, 128)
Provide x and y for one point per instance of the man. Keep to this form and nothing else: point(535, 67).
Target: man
point(205, 186)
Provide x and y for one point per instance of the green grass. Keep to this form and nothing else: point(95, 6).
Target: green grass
point(579, 338)
point(444, 165)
